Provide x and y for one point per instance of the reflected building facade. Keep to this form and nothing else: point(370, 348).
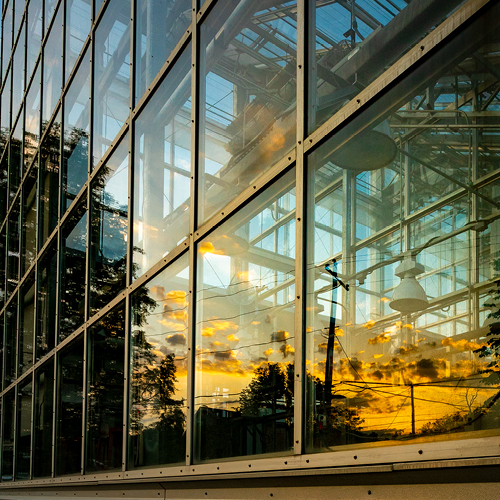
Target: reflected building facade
point(249, 240)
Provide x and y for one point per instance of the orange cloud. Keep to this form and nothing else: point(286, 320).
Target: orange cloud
point(381, 338)
point(462, 344)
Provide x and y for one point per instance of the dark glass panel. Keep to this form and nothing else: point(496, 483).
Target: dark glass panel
point(112, 75)
point(18, 75)
point(2, 351)
point(77, 30)
point(4, 176)
point(8, 419)
point(28, 240)
point(35, 13)
point(3, 256)
point(106, 388)
point(26, 325)
point(13, 249)
point(72, 270)
point(23, 431)
point(247, 106)
point(69, 410)
point(16, 159)
point(159, 368)
point(108, 266)
point(245, 330)
point(52, 64)
point(76, 133)
point(32, 120)
point(10, 342)
point(42, 430)
point(49, 181)
point(162, 169)
point(46, 302)
point(159, 24)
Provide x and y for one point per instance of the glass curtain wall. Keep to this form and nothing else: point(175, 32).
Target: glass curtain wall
point(226, 229)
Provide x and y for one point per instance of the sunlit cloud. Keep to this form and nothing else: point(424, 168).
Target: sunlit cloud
point(381, 338)
point(279, 336)
point(462, 344)
point(286, 349)
point(177, 339)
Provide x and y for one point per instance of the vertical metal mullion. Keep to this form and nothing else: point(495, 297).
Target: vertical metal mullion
point(55, 399)
point(32, 435)
point(128, 326)
point(14, 435)
point(193, 219)
point(300, 250)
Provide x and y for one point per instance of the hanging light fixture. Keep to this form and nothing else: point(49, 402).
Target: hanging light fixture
point(409, 296)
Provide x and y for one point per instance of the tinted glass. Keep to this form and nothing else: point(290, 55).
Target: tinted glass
point(18, 74)
point(109, 229)
point(34, 40)
point(49, 181)
point(29, 220)
point(26, 326)
point(23, 431)
point(13, 249)
point(10, 342)
point(245, 330)
point(7, 37)
point(163, 169)
point(32, 119)
point(69, 410)
point(106, 379)
point(72, 269)
point(159, 384)
point(44, 400)
point(159, 26)
point(52, 64)
point(46, 303)
point(248, 117)
point(112, 75)
point(8, 419)
point(76, 133)
point(77, 30)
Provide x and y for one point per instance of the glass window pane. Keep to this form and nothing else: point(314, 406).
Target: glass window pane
point(106, 388)
point(159, 26)
point(355, 43)
point(8, 419)
point(23, 431)
point(3, 274)
point(18, 13)
point(50, 6)
point(52, 68)
point(16, 159)
point(7, 37)
point(18, 75)
point(10, 342)
point(76, 133)
point(46, 303)
point(401, 339)
point(49, 181)
point(159, 368)
point(13, 249)
point(112, 75)
point(29, 220)
point(32, 120)
point(69, 410)
point(2, 352)
point(245, 329)
point(109, 229)
point(4, 171)
point(35, 12)
point(5, 113)
point(163, 169)
point(72, 269)
point(248, 118)
point(77, 30)
point(44, 400)
point(26, 326)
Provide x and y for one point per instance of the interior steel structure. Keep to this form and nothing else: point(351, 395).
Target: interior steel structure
point(250, 249)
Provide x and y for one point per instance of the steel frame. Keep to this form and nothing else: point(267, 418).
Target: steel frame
point(344, 460)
